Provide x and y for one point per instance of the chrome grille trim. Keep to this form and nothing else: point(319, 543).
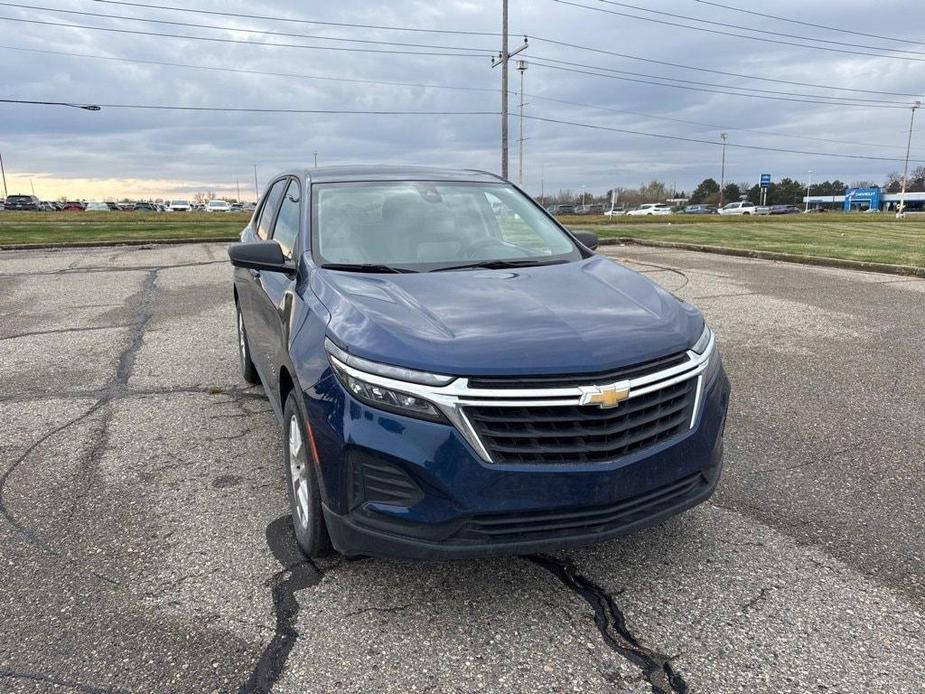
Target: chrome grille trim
point(453, 398)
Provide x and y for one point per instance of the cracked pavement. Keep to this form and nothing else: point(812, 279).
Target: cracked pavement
point(144, 542)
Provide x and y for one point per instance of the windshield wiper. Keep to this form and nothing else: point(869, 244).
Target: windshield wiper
point(365, 267)
point(499, 264)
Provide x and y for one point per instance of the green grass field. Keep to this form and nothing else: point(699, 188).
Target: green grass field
point(96, 227)
point(870, 238)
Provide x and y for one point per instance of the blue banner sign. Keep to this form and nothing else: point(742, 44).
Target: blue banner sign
point(765, 180)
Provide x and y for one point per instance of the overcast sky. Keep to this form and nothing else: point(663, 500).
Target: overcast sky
point(140, 153)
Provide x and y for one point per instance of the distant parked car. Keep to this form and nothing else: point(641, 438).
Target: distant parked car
point(649, 209)
point(816, 210)
point(145, 207)
point(73, 206)
point(615, 211)
point(699, 209)
point(22, 202)
point(563, 208)
point(744, 208)
point(785, 209)
point(218, 206)
point(98, 207)
point(179, 206)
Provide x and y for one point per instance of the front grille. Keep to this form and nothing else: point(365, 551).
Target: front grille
point(583, 434)
point(510, 527)
point(525, 382)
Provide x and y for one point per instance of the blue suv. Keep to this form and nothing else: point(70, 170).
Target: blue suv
point(456, 374)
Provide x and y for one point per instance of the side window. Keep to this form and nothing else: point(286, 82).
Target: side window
point(286, 231)
point(270, 202)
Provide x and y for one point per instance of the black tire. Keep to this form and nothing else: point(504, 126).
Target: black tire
point(302, 483)
point(248, 370)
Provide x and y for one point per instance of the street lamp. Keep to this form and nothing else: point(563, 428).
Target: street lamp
point(809, 184)
point(722, 174)
point(901, 213)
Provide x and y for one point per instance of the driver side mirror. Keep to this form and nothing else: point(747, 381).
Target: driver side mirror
point(260, 255)
point(588, 239)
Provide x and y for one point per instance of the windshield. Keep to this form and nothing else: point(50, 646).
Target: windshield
point(429, 225)
point(179, 202)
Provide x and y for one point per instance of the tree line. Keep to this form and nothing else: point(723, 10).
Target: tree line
point(787, 191)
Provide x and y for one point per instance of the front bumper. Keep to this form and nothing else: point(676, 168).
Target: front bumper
point(449, 503)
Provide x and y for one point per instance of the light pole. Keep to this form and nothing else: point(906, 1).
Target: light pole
point(809, 184)
point(722, 173)
point(521, 68)
point(316, 158)
point(2, 171)
point(902, 193)
point(256, 187)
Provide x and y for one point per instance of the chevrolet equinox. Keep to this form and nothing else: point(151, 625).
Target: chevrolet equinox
point(456, 374)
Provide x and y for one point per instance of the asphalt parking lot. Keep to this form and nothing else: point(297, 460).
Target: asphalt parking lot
point(145, 546)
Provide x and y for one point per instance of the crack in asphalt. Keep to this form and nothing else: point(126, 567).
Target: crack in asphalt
point(63, 330)
point(140, 304)
point(90, 269)
point(57, 681)
point(655, 666)
point(297, 574)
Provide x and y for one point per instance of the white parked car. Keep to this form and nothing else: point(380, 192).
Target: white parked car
point(743, 208)
point(650, 208)
point(179, 206)
point(218, 206)
point(97, 207)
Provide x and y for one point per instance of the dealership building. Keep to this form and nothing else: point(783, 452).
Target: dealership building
point(863, 199)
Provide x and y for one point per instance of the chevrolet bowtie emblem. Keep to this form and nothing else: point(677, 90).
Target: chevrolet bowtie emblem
point(605, 396)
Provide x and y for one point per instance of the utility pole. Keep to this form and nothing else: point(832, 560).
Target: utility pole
point(316, 158)
point(32, 185)
point(256, 187)
point(809, 184)
point(238, 183)
point(521, 68)
point(503, 59)
point(543, 185)
point(902, 194)
point(3, 171)
point(722, 173)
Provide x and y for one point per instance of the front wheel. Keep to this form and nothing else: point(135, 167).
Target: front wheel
point(248, 370)
point(304, 490)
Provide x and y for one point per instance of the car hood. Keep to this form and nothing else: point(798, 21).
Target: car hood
point(578, 317)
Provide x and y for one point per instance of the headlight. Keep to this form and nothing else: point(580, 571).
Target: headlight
point(384, 398)
point(703, 341)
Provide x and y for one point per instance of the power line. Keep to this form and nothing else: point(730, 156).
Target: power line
point(715, 85)
point(426, 85)
point(711, 91)
point(241, 42)
point(223, 109)
point(815, 25)
point(739, 36)
point(243, 71)
point(679, 138)
point(769, 32)
point(766, 133)
point(240, 29)
point(557, 121)
point(724, 73)
point(290, 20)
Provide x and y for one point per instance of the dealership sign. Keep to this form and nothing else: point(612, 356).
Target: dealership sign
point(765, 180)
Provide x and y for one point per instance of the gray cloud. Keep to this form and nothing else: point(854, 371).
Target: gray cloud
point(211, 150)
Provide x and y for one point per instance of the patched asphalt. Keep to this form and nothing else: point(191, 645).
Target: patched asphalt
point(145, 547)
